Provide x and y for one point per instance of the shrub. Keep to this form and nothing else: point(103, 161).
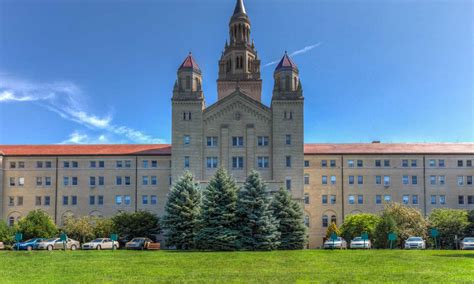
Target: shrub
point(354, 225)
point(6, 233)
point(137, 224)
point(81, 229)
point(385, 226)
point(408, 221)
point(449, 222)
point(332, 229)
point(37, 224)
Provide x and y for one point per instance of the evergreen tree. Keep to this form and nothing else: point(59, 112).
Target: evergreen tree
point(257, 226)
point(181, 219)
point(290, 218)
point(218, 214)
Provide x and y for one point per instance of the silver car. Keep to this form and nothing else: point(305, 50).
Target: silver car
point(101, 243)
point(415, 243)
point(358, 242)
point(467, 243)
point(339, 243)
point(56, 243)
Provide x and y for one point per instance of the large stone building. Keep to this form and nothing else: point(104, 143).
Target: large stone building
point(240, 133)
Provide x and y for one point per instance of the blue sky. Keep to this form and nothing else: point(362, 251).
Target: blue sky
point(103, 71)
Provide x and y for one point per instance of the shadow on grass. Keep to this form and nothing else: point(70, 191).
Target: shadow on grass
point(468, 255)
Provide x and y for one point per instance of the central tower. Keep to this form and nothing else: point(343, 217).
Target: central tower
point(239, 65)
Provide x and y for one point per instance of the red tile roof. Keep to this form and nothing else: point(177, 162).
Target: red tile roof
point(165, 149)
point(286, 63)
point(390, 148)
point(189, 62)
point(85, 150)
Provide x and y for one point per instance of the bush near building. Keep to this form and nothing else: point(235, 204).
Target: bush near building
point(356, 224)
point(449, 223)
point(36, 224)
point(6, 233)
point(136, 224)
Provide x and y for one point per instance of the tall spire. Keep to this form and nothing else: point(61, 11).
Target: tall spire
point(239, 7)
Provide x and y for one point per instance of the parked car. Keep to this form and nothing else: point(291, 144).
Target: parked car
point(2, 246)
point(415, 243)
point(56, 243)
point(339, 243)
point(101, 243)
point(29, 245)
point(138, 243)
point(467, 243)
point(358, 242)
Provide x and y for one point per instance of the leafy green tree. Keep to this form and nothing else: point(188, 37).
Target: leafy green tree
point(6, 233)
point(449, 222)
point(37, 224)
point(137, 224)
point(354, 225)
point(332, 229)
point(218, 214)
point(80, 229)
point(103, 227)
point(384, 227)
point(290, 221)
point(470, 227)
point(257, 226)
point(182, 210)
point(409, 221)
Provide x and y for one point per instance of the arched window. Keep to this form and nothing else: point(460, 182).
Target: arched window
point(287, 83)
point(306, 220)
point(325, 221)
point(333, 219)
point(11, 221)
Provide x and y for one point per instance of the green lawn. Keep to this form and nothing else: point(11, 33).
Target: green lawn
point(210, 267)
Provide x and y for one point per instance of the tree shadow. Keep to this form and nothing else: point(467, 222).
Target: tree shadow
point(468, 255)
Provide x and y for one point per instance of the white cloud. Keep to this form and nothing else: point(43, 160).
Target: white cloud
point(82, 138)
point(296, 52)
point(67, 100)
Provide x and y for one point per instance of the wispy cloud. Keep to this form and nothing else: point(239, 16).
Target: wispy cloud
point(81, 138)
point(296, 52)
point(68, 101)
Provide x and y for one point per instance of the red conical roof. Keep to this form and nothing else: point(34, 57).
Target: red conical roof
point(286, 63)
point(189, 62)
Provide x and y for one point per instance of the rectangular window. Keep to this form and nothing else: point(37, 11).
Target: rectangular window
point(333, 199)
point(360, 180)
point(333, 163)
point(405, 180)
point(238, 141)
point(154, 180)
point(65, 181)
point(306, 198)
point(360, 163)
point(442, 199)
point(127, 200)
point(21, 165)
point(405, 163)
point(414, 163)
point(47, 201)
point(211, 162)
point(324, 180)
point(386, 180)
point(12, 165)
point(74, 181)
point(461, 199)
point(74, 164)
point(360, 199)
point(92, 181)
point(414, 180)
point(128, 163)
point(433, 180)
point(186, 140)
point(38, 200)
point(154, 163)
point(211, 141)
point(378, 199)
point(442, 180)
point(65, 200)
point(386, 163)
point(39, 164)
point(351, 199)
point(47, 181)
point(237, 163)
point(378, 163)
point(118, 180)
point(470, 199)
point(21, 181)
point(144, 199)
point(12, 181)
point(66, 164)
point(91, 200)
point(460, 180)
point(262, 140)
point(441, 163)
point(11, 201)
point(39, 181)
point(119, 164)
point(118, 199)
point(92, 164)
point(144, 180)
point(263, 162)
point(186, 162)
point(288, 139)
point(306, 163)
point(324, 163)
point(324, 199)
point(101, 164)
point(405, 199)
point(47, 164)
point(433, 199)
point(19, 200)
point(288, 183)
point(153, 200)
point(350, 163)
point(351, 179)
point(460, 163)
point(306, 179)
point(288, 161)
point(101, 180)
point(145, 164)
point(469, 180)
point(100, 200)
point(127, 180)
point(432, 163)
point(468, 163)
point(333, 179)
point(73, 200)
point(387, 197)
point(414, 199)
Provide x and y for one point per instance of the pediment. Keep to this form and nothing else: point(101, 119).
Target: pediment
point(237, 103)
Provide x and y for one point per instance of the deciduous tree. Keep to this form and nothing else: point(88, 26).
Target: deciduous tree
point(449, 222)
point(37, 224)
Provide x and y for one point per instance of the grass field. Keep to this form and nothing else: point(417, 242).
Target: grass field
point(211, 267)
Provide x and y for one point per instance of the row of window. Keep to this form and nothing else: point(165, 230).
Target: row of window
point(405, 163)
point(434, 180)
point(263, 162)
point(93, 181)
point(237, 141)
point(92, 164)
point(93, 200)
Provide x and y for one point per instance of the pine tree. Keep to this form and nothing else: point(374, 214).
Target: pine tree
point(257, 226)
point(182, 210)
point(332, 229)
point(290, 218)
point(218, 214)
